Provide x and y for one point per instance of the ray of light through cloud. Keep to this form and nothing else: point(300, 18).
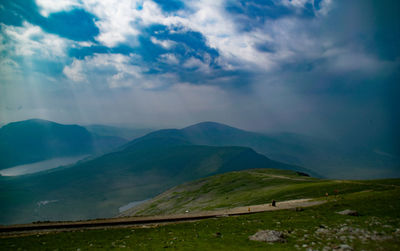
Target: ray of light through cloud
point(306, 66)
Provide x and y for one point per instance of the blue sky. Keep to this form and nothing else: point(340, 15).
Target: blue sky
point(327, 67)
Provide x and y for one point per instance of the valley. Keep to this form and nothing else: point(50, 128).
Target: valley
point(199, 125)
point(145, 167)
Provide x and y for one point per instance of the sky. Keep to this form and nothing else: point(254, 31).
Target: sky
point(317, 67)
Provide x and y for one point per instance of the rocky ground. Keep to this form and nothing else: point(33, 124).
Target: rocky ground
point(326, 238)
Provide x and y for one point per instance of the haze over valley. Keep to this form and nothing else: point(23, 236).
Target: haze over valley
point(129, 124)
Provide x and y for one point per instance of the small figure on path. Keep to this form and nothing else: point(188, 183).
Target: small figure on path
point(326, 195)
point(273, 203)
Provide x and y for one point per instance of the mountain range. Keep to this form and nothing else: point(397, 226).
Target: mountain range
point(98, 187)
point(138, 170)
point(321, 156)
point(36, 140)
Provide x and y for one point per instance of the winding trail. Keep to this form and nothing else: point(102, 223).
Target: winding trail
point(34, 228)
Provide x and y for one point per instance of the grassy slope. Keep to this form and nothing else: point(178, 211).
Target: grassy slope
point(97, 188)
point(379, 212)
point(248, 187)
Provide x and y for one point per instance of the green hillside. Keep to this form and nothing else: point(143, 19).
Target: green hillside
point(248, 187)
point(98, 187)
point(318, 228)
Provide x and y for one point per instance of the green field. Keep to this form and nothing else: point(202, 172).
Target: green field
point(376, 228)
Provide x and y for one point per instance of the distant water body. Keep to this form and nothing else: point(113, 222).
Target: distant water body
point(40, 166)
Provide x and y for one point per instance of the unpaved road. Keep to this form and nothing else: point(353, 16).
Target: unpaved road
point(34, 228)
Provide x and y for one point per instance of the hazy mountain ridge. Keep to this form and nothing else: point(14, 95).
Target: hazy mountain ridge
point(36, 140)
point(138, 170)
point(116, 131)
point(322, 157)
point(98, 187)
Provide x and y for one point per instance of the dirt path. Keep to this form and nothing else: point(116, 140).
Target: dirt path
point(289, 204)
point(286, 178)
point(28, 229)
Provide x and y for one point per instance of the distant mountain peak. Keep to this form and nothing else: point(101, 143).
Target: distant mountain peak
point(209, 125)
point(34, 140)
point(32, 121)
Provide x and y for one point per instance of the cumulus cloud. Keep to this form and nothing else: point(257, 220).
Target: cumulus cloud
point(75, 71)
point(29, 40)
point(116, 69)
point(169, 58)
point(123, 21)
point(48, 6)
point(167, 44)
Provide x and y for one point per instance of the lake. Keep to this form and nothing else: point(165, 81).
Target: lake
point(41, 166)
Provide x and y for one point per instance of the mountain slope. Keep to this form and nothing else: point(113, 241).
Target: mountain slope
point(248, 187)
point(216, 134)
point(36, 140)
point(98, 187)
point(120, 132)
point(320, 156)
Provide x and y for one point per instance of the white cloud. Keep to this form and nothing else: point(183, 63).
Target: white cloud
point(113, 70)
point(115, 20)
point(169, 58)
point(29, 40)
point(167, 44)
point(197, 64)
point(49, 6)
point(325, 7)
point(75, 71)
point(122, 21)
point(296, 3)
point(84, 44)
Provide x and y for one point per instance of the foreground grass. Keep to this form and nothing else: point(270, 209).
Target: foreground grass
point(379, 220)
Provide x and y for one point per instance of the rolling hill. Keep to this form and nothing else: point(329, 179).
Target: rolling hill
point(245, 188)
point(36, 140)
point(98, 187)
